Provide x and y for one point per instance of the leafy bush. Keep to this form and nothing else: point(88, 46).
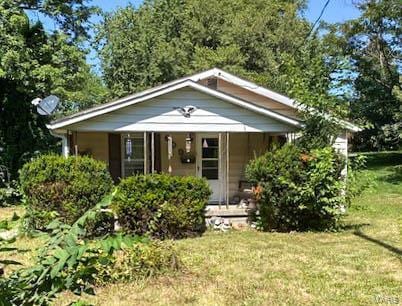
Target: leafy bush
point(69, 261)
point(9, 194)
point(162, 205)
point(298, 191)
point(357, 181)
point(143, 259)
point(66, 187)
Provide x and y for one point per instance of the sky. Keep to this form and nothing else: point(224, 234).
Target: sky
point(336, 11)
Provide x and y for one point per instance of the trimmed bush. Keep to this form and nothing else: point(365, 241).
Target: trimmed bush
point(54, 186)
point(298, 191)
point(161, 205)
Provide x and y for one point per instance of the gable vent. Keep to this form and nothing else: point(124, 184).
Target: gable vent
point(212, 83)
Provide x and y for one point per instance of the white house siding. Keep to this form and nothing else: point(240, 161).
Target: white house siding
point(159, 115)
point(252, 97)
point(341, 144)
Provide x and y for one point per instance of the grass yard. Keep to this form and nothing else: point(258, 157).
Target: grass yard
point(361, 265)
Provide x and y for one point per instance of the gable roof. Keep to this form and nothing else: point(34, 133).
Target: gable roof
point(191, 81)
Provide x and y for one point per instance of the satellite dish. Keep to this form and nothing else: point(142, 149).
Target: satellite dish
point(47, 105)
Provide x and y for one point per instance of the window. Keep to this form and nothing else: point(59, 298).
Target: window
point(210, 158)
point(133, 155)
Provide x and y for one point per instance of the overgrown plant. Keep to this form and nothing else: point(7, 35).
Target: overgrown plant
point(65, 262)
point(68, 261)
point(298, 190)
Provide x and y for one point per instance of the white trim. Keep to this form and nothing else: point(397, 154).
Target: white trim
point(227, 169)
point(188, 83)
point(152, 152)
point(65, 148)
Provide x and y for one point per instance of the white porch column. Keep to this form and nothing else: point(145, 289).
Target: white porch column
point(152, 152)
point(65, 150)
point(145, 153)
point(227, 169)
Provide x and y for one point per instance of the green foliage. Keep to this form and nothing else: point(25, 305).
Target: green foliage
point(165, 39)
point(372, 44)
point(161, 205)
point(34, 63)
point(69, 262)
point(141, 260)
point(64, 187)
point(10, 194)
point(357, 180)
point(298, 191)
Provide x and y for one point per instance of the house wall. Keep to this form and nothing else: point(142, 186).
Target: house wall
point(250, 96)
point(178, 168)
point(93, 143)
point(242, 148)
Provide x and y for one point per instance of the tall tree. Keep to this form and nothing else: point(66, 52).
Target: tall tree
point(165, 39)
point(268, 42)
point(373, 43)
point(33, 64)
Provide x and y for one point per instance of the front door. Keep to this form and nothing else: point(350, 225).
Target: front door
point(208, 163)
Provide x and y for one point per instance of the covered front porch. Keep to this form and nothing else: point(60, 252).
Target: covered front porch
point(220, 157)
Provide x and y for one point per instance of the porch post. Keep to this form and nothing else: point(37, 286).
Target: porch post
point(220, 167)
point(65, 147)
point(227, 169)
point(152, 152)
point(145, 153)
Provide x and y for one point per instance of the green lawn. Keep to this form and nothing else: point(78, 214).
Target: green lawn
point(361, 265)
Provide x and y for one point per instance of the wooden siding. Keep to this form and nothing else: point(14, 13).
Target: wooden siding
point(93, 144)
point(159, 115)
point(250, 96)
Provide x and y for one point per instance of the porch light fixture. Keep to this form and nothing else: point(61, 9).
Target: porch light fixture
point(189, 139)
point(205, 143)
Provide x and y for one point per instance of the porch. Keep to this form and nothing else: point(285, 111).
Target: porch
point(220, 157)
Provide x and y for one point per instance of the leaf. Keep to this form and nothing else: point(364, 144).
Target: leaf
point(9, 262)
point(59, 265)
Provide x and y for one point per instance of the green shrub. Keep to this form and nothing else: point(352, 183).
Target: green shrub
point(140, 260)
point(162, 205)
point(65, 187)
point(298, 191)
point(9, 194)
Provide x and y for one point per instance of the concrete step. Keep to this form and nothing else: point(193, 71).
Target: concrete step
point(225, 212)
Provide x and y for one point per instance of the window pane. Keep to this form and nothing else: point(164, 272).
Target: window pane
point(210, 164)
point(133, 167)
point(137, 148)
point(210, 174)
point(210, 153)
point(210, 169)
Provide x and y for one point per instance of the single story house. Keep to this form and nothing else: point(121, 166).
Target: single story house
point(209, 124)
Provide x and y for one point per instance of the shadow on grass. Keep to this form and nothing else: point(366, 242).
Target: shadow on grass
point(355, 227)
point(395, 177)
point(389, 247)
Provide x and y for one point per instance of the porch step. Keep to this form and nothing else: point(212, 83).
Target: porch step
point(226, 212)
